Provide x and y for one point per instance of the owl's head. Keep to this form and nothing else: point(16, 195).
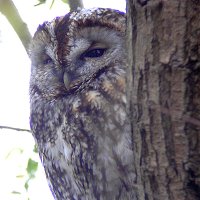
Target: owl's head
point(77, 51)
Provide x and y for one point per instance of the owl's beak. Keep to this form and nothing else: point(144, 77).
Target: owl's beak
point(66, 80)
point(71, 83)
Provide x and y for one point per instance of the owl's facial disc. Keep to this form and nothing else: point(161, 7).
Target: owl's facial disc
point(76, 81)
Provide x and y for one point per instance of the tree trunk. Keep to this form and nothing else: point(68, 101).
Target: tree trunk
point(164, 97)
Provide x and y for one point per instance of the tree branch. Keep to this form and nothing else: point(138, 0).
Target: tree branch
point(74, 4)
point(15, 129)
point(8, 9)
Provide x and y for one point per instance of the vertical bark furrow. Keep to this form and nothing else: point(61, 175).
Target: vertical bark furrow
point(192, 130)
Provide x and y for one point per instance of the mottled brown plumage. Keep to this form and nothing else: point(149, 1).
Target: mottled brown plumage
point(78, 105)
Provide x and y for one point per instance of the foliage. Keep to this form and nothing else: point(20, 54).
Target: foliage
point(25, 173)
point(31, 169)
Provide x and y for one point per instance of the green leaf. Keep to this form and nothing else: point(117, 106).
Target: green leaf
point(40, 2)
point(35, 149)
point(20, 176)
point(26, 185)
point(15, 192)
point(65, 1)
point(14, 150)
point(32, 167)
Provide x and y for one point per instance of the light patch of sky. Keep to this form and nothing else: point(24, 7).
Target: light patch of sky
point(14, 100)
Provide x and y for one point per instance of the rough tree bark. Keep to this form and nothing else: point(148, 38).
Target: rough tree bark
point(164, 97)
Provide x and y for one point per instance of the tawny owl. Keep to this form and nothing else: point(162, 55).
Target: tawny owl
point(78, 105)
